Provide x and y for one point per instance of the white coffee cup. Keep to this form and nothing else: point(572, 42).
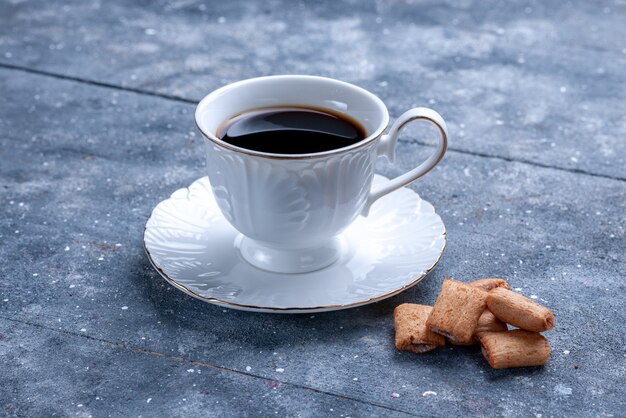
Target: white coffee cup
point(290, 209)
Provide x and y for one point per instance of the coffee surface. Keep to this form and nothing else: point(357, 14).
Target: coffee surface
point(290, 130)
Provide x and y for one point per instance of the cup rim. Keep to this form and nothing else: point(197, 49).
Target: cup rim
point(210, 136)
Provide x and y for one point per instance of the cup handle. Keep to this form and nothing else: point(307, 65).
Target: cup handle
point(387, 147)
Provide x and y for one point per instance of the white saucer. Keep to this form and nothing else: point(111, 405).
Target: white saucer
point(194, 248)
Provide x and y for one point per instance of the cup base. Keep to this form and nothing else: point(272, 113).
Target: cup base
point(288, 260)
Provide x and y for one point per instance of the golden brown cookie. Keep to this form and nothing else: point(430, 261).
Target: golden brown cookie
point(456, 311)
point(517, 348)
point(489, 323)
point(490, 284)
point(409, 321)
point(519, 311)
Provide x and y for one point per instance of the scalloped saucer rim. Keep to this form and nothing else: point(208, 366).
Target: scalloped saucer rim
point(185, 197)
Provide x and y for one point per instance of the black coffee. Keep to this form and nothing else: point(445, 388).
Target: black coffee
point(290, 130)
